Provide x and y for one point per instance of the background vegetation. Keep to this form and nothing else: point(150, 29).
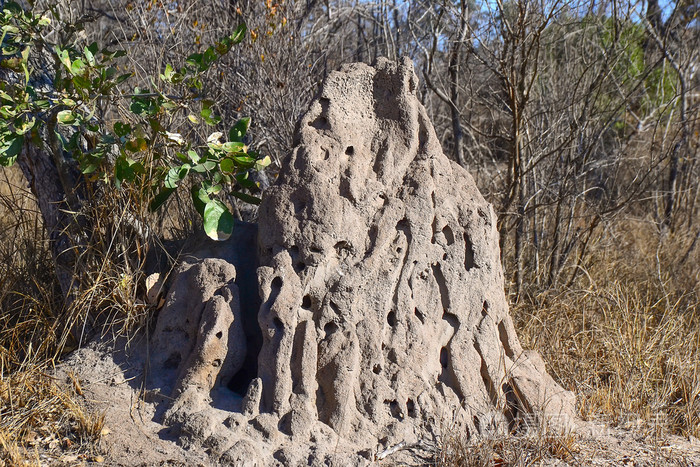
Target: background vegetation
point(578, 120)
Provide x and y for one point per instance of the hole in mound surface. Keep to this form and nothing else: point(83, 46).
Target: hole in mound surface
point(173, 361)
point(503, 335)
point(219, 335)
point(391, 319)
point(411, 408)
point(299, 206)
point(306, 302)
point(419, 315)
point(216, 363)
point(443, 358)
point(452, 320)
point(250, 303)
point(488, 382)
point(350, 151)
point(377, 369)
point(468, 252)
point(449, 236)
point(320, 123)
point(330, 328)
point(485, 309)
point(240, 381)
point(442, 286)
point(394, 409)
point(278, 323)
point(343, 249)
point(299, 266)
point(393, 358)
point(285, 426)
point(276, 286)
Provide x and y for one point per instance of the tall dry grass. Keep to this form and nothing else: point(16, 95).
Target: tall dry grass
point(626, 337)
point(37, 415)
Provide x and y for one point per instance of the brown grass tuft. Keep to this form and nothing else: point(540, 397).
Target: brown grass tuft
point(37, 415)
point(535, 446)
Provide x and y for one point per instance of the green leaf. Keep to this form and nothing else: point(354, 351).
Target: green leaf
point(42, 104)
point(88, 169)
point(234, 147)
point(141, 105)
point(195, 61)
point(227, 165)
point(25, 125)
point(200, 199)
point(108, 56)
point(89, 53)
point(122, 129)
point(10, 29)
point(208, 115)
point(156, 126)
point(64, 57)
point(239, 33)
point(208, 57)
point(260, 164)
point(136, 145)
point(243, 180)
point(250, 199)
point(8, 111)
point(175, 175)
point(81, 82)
point(123, 172)
point(10, 148)
point(243, 161)
point(194, 157)
point(77, 67)
point(167, 75)
point(206, 166)
point(160, 198)
point(218, 220)
point(210, 187)
point(66, 117)
point(239, 130)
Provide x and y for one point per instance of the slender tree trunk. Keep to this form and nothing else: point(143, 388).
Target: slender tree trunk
point(680, 147)
point(60, 216)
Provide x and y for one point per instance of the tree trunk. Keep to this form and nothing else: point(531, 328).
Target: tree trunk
point(55, 186)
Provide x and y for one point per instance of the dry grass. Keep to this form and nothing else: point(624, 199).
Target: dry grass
point(627, 339)
point(36, 328)
point(36, 415)
point(536, 446)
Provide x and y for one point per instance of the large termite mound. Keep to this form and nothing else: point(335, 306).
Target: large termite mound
point(384, 314)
